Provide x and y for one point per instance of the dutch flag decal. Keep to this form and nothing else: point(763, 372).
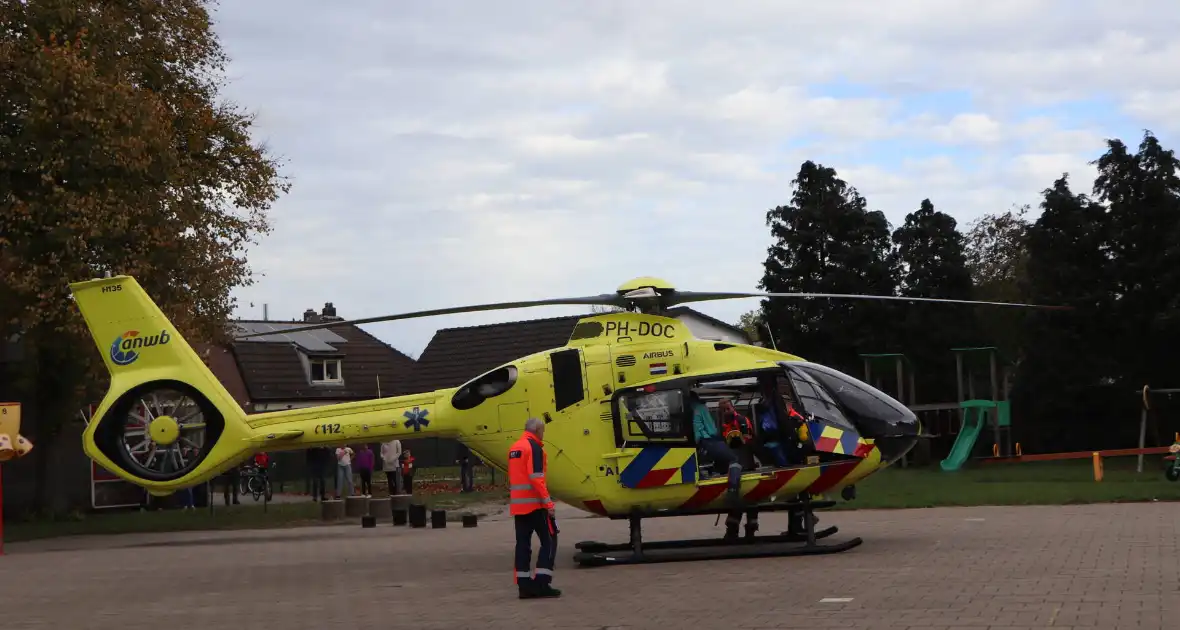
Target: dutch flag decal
point(658, 368)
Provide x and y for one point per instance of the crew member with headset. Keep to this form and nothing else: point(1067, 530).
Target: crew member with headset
point(532, 511)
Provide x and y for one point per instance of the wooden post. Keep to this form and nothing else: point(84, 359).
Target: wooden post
point(959, 383)
point(1097, 466)
point(868, 372)
point(913, 394)
point(991, 358)
point(1, 515)
point(1142, 438)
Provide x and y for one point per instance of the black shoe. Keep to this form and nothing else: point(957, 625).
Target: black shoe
point(547, 591)
point(731, 533)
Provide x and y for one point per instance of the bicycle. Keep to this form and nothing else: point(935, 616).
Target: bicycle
point(256, 482)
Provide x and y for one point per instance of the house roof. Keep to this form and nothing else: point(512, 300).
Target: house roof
point(274, 371)
point(677, 311)
point(456, 355)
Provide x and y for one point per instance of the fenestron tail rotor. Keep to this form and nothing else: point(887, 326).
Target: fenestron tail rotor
point(646, 294)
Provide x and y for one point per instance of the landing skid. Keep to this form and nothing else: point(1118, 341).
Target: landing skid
point(594, 554)
point(786, 537)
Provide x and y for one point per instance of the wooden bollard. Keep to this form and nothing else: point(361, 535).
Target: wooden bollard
point(380, 508)
point(438, 519)
point(470, 520)
point(401, 501)
point(332, 510)
point(356, 507)
point(417, 515)
point(1097, 466)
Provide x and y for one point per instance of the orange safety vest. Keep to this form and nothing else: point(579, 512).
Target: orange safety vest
point(527, 465)
point(739, 425)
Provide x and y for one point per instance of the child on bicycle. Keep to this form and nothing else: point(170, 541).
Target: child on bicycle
point(262, 462)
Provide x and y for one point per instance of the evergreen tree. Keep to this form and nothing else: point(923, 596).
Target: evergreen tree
point(826, 241)
point(1068, 264)
point(931, 252)
point(1142, 194)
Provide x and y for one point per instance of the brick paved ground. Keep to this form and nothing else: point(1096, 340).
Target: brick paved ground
point(1108, 566)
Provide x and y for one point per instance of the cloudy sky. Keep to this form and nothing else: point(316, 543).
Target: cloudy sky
point(446, 152)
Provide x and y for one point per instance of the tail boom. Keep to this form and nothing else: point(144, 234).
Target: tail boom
point(402, 417)
point(168, 423)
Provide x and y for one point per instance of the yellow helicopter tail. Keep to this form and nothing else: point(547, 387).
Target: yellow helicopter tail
point(166, 422)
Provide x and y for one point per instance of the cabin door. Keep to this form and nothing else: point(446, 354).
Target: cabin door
point(653, 426)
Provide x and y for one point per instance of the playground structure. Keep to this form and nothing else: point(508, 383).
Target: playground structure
point(975, 370)
point(1172, 471)
point(12, 446)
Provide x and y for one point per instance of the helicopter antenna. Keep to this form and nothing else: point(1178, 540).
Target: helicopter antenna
point(770, 334)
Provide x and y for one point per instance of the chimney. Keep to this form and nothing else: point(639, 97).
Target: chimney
point(329, 313)
point(310, 316)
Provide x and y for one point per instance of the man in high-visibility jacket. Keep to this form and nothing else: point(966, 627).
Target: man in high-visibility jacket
point(533, 511)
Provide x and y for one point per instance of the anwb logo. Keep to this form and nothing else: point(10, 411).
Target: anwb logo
point(124, 350)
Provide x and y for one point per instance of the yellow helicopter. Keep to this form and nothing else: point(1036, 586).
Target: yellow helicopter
point(617, 401)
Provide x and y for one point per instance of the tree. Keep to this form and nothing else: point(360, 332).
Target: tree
point(995, 251)
point(1068, 264)
point(826, 241)
point(752, 324)
point(934, 264)
point(116, 157)
point(996, 258)
point(1142, 194)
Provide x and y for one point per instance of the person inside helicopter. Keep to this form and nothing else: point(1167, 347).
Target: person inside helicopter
point(768, 427)
point(708, 440)
point(738, 432)
point(781, 400)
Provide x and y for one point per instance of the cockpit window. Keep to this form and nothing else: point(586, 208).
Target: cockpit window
point(816, 400)
point(863, 402)
point(487, 386)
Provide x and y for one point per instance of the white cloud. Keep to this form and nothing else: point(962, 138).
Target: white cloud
point(447, 153)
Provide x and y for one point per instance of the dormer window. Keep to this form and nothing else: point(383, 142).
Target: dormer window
point(325, 371)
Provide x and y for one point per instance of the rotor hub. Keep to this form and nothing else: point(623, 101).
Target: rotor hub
point(659, 285)
point(164, 430)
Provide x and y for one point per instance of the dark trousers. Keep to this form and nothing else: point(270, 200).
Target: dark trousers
point(719, 452)
point(391, 481)
point(408, 482)
point(536, 522)
point(467, 475)
point(366, 481)
point(734, 518)
point(319, 473)
point(231, 478)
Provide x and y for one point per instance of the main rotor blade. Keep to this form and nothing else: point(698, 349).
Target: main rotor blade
point(607, 299)
point(682, 297)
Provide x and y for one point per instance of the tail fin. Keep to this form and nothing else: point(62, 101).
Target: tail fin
point(166, 422)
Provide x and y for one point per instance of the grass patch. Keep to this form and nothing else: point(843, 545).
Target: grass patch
point(223, 517)
point(243, 516)
point(1033, 483)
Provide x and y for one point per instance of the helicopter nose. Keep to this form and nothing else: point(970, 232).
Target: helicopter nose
point(900, 439)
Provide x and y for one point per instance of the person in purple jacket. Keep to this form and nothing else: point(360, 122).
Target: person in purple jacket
point(364, 467)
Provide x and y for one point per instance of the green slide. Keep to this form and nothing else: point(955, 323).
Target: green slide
point(974, 413)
